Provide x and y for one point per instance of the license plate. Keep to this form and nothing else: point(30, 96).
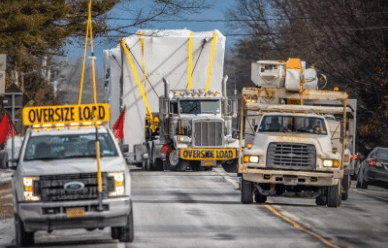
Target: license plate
point(208, 154)
point(208, 163)
point(75, 212)
point(290, 180)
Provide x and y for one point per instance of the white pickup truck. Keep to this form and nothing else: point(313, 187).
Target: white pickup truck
point(55, 183)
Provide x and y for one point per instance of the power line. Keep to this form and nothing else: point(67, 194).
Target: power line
point(237, 20)
point(277, 33)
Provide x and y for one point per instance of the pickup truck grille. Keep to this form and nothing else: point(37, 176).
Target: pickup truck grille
point(208, 133)
point(291, 156)
point(52, 187)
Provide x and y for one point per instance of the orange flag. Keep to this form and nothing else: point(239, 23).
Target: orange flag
point(118, 127)
point(7, 129)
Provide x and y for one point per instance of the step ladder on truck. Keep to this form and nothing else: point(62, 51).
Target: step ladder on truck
point(297, 138)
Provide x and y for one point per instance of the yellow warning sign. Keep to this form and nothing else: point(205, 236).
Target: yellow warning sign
point(294, 101)
point(66, 114)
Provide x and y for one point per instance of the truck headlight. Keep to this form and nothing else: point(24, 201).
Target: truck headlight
point(251, 159)
point(116, 188)
point(330, 163)
point(31, 188)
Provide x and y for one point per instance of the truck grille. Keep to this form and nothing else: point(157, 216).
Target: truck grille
point(208, 133)
point(52, 187)
point(291, 156)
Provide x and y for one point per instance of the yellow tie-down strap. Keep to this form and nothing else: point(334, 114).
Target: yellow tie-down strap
point(208, 153)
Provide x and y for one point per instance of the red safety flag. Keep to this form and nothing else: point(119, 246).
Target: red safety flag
point(118, 127)
point(166, 149)
point(7, 129)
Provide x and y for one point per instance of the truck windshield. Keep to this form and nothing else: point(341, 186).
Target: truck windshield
point(301, 124)
point(47, 147)
point(200, 107)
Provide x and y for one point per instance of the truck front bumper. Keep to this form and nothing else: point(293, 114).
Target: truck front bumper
point(41, 216)
point(288, 177)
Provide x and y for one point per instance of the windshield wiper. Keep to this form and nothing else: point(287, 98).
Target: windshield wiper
point(43, 159)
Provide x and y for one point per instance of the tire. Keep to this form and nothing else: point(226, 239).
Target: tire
point(115, 232)
point(23, 238)
point(158, 166)
point(361, 184)
point(3, 160)
point(146, 165)
point(231, 166)
point(345, 186)
point(246, 192)
point(333, 196)
point(321, 200)
point(126, 233)
point(259, 198)
point(181, 166)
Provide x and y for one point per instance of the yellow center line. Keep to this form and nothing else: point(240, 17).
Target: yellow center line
point(301, 227)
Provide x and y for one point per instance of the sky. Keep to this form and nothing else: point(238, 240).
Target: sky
point(216, 12)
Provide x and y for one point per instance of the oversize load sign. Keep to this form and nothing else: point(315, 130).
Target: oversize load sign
point(65, 114)
point(208, 154)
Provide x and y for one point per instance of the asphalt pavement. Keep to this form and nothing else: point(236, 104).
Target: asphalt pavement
point(203, 209)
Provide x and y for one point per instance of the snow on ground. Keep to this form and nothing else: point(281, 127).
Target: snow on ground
point(7, 232)
point(5, 176)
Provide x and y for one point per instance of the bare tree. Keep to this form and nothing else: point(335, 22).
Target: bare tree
point(345, 39)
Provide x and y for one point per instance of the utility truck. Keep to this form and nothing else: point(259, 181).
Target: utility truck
point(177, 112)
point(297, 137)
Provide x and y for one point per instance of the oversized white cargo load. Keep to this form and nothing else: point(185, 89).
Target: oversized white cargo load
point(165, 55)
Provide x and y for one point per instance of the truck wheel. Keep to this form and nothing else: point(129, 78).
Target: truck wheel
point(231, 166)
point(181, 166)
point(23, 238)
point(259, 198)
point(126, 233)
point(158, 166)
point(115, 232)
point(321, 200)
point(246, 191)
point(3, 159)
point(146, 165)
point(361, 183)
point(334, 196)
point(345, 182)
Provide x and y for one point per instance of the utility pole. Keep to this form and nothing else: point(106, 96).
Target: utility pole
point(3, 66)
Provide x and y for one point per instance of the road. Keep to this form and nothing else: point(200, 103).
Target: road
point(203, 209)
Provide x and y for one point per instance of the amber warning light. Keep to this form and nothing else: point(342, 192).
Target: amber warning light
point(66, 114)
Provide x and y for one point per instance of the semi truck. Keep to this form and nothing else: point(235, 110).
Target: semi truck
point(177, 112)
point(298, 139)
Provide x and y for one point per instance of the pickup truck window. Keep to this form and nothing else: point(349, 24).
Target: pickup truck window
point(199, 107)
point(48, 147)
point(300, 124)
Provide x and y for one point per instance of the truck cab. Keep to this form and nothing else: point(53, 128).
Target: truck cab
point(198, 127)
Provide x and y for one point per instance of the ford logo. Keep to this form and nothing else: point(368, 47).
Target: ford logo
point(73, 186)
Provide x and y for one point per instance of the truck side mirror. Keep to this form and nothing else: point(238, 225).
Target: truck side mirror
point(13, 163)
point(124, 148)
point(236, 135)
